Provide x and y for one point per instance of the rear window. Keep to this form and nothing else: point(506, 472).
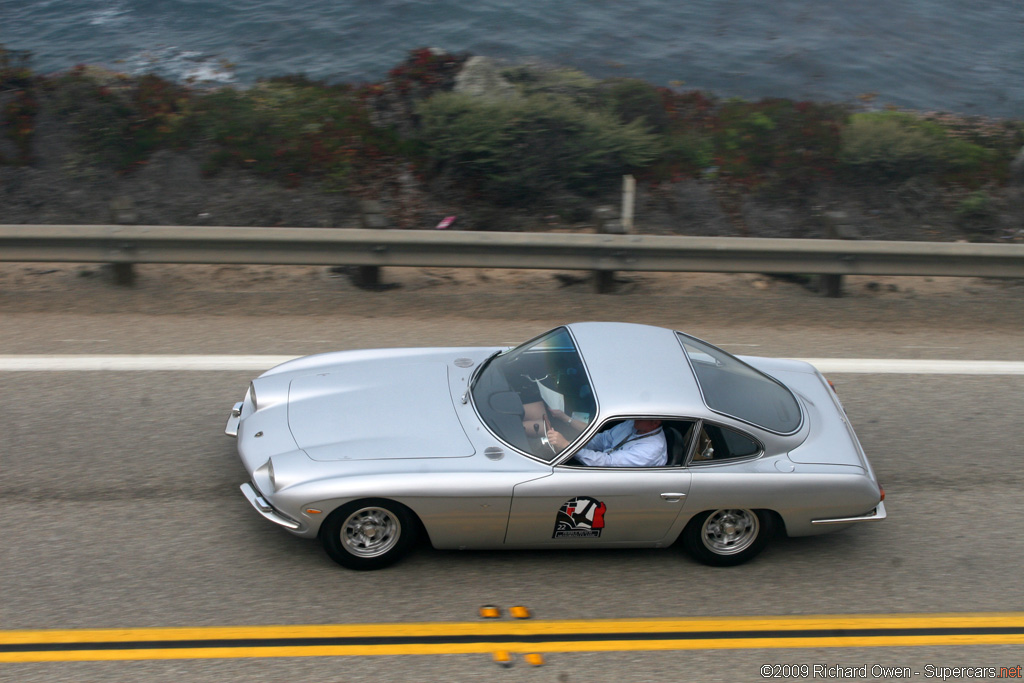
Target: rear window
point(731, 387)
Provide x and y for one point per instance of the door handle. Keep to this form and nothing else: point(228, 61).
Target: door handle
point(673, 497)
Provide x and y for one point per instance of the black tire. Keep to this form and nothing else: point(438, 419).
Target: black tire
point(728, 537)
point(368, 534)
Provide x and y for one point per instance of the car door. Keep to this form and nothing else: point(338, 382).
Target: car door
point(596, 506)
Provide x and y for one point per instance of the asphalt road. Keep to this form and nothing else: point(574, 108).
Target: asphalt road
point(121, 507)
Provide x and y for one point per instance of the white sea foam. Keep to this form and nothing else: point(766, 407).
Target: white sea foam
point(112, 15)
point(188, 66)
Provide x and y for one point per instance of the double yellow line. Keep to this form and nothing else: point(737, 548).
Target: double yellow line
point(431, 638)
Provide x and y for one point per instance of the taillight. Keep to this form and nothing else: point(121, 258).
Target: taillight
point(831, 384)
point(881, 493)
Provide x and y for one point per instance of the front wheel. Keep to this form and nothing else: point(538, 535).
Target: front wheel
point(368, 534)
point(724, 538)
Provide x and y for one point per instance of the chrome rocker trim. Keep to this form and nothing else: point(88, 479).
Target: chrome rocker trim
point(266, 509)
point(876, 515)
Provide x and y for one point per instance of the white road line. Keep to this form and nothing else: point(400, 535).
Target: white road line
point(112, 363)
point(140, 363)
point(874, 366)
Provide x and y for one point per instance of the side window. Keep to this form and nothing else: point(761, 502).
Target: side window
point(718, 444)
point(611, 445)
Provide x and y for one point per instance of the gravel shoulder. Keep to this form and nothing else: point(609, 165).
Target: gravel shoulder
point(267, 309)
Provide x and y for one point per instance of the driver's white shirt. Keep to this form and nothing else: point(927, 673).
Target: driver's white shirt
point(634, 450)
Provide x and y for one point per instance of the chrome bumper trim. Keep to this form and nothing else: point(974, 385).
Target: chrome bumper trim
point(876, 515)
point(266, 509)
point(231, 429)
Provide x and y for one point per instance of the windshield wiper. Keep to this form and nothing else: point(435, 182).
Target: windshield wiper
point(480, 370)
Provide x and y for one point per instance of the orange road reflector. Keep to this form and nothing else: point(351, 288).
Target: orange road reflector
point(490, 612)
point(503, 658)
point(534, 660)
point(519, 612)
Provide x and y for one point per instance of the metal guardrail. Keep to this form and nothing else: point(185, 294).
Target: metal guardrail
point(129, 244)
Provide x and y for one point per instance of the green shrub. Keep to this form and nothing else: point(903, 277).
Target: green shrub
point(516, 150)
point(689, 153)
point(894, 145)
point(560, 82)
point(120, 121)
point(97, 107)
point(631, 100)
point(564, 131)
point(978, 215)
point(777, 142)
point(976, 205)
point(290, 128)
point(162, 114)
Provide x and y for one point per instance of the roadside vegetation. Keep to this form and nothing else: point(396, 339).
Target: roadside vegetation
point(18, 107)
point(554, 131)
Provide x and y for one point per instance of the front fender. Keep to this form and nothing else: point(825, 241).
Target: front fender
point(458, 510)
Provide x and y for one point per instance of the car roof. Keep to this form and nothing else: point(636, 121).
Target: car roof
point(638, 370)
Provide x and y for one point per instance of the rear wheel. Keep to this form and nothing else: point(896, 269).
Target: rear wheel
point(368, 534)
point(727, 537)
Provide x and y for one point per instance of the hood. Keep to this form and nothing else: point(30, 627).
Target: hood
point(375, 411)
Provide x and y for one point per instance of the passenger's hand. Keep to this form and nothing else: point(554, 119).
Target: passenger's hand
point(557, 440)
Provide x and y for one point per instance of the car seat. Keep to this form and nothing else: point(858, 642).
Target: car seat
point(676, 446)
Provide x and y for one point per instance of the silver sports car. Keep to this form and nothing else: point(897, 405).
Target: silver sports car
point(593, 435)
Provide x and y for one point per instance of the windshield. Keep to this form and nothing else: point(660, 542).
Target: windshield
point(522, 393)
point(732, 387)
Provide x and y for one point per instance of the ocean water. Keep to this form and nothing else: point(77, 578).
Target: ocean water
point(964, 56)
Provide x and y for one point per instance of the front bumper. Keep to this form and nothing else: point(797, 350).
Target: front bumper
point(267, 510)
point(876, 515)
point(231, 428)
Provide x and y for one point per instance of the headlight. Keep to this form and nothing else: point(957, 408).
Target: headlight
point(252, 396)
point(265, 470)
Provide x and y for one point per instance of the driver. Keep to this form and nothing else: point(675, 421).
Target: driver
point(632, 443)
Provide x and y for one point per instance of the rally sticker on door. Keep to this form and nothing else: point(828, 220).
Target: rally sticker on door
point(581, 517)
